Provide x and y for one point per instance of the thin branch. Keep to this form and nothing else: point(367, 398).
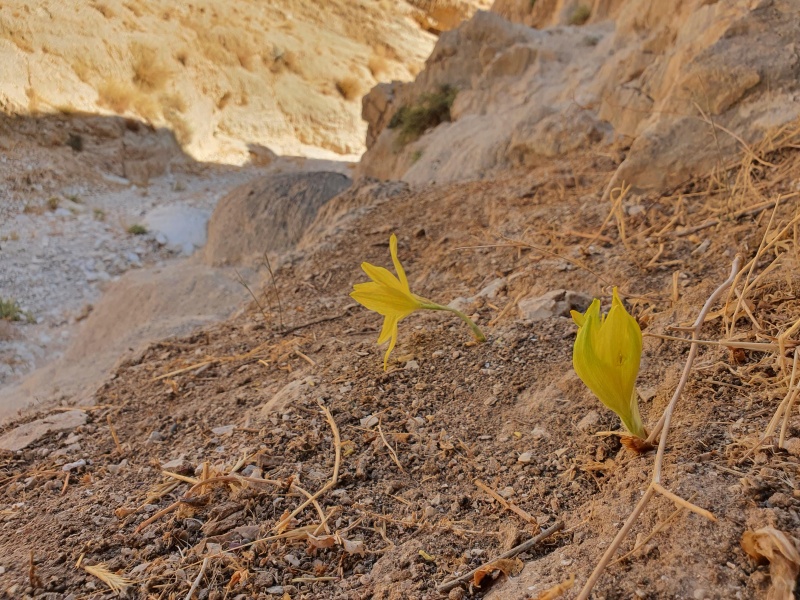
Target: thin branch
point(698, 323)
point(346, 310)
point(523, 547)
point(275, 288)
point(337, 445)
point(683, 503)
point(241, 281)
point(609, 553)
point(391, 450)
point(196, 582)
point(510, 506)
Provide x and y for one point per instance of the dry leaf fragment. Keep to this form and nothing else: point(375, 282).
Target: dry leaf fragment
point(427, 556)
point(771, 545)
point(508, 566)
point(123, 512)
point(348, 447)
point(283, 522)
point(322, 541)
point(353, 546)
point(240, 576)
point(557, 590)
point(327, 541)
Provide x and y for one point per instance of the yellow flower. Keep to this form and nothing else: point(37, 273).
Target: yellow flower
point(606, 357)
point(391, 297)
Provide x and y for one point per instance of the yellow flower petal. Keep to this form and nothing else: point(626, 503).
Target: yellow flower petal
point(606, 357)
point(392, 343)
point(391, 297)
point(384, 300)
point(397, 266)
point(388, 295)
point(388, 330)
point(383, 277)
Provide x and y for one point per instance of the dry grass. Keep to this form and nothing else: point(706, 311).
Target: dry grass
point(286, 60)
point(147, 107)
point(149, 72)
point(378, 65)
point(349, 88)
point(116, 95)
point(227, 47)
point(117, 583)
point(104, 10)
point(82, 67)
point(134, 8)
point(122, 96)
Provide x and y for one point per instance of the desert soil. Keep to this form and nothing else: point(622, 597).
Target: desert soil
point(289, 399)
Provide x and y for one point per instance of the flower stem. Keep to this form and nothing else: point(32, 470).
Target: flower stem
point(475, 329)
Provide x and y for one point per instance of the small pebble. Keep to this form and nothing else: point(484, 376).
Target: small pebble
point(793, 446)
point(223, 429)
point(369, 421)
point(292, 560)
point(507, 492)
point(74, 465)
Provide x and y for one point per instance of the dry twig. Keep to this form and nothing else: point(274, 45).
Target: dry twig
point(337, 445)
point(523, 547)
point(196, 582)
point(508, 505)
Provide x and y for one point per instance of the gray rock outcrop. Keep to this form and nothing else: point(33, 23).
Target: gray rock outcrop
point(683, 85)
point(268, 215)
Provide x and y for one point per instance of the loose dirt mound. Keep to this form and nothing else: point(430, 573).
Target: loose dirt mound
point(180, 477)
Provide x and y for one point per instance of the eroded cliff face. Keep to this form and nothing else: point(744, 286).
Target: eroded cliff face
point(228, 81)
point(678, 87)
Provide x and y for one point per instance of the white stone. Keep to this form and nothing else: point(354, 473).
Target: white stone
point(24, 435)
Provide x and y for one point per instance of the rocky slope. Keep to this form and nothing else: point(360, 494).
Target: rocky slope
point(284, 75)
point(271, 456)
point(187, 467)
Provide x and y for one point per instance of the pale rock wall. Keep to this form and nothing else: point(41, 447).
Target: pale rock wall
point(678, 82)
point(284, 74)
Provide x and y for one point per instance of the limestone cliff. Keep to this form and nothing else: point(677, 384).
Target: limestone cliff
point(227, 80)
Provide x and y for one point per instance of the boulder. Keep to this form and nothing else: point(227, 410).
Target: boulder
point(24, 435)
point(557, 303)
point(268, 215)
point(351, 204)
